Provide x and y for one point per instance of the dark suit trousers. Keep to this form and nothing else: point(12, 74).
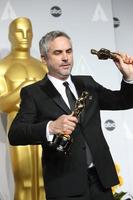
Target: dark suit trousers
point(95, 190)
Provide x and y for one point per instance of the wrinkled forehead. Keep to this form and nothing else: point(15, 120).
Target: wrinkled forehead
point(60, 43)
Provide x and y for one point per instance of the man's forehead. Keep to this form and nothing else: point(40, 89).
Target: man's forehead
point(60, 44)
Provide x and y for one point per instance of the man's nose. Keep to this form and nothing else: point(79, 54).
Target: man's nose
point(65, 56)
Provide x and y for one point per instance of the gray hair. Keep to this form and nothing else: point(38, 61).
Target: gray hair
point(43, 43)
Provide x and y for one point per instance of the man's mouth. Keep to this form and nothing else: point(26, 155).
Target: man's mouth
point(65, 65)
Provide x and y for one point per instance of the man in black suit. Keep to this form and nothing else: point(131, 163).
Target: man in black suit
point(45, 112)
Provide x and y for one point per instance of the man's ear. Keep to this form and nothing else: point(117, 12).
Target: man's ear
point(43, 59)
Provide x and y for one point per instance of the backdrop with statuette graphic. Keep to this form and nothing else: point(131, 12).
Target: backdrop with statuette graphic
point(91, 24)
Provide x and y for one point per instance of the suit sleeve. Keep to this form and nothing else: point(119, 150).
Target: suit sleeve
point(114, 100)
point(26, 129)
point(119, 100)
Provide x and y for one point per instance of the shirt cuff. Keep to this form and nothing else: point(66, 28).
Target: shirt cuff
point(49, 135)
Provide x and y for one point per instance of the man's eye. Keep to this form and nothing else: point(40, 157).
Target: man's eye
point(57, 52)
point(69, 51)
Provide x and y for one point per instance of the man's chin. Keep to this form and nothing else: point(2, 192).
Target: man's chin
point(64, 76)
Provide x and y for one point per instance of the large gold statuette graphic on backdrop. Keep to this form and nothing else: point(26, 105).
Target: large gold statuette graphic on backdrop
point(17, 70)
point(62, 143)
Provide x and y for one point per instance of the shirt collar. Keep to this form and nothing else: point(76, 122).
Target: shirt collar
point(56, 81)
point(58, 84)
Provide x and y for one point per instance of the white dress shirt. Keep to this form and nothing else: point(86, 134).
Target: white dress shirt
point(58, 84)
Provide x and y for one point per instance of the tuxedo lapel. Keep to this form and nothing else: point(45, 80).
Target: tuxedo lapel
point(51, 91)
point(78, 85)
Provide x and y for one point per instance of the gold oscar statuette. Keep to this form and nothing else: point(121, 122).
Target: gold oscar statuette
point(62, 143)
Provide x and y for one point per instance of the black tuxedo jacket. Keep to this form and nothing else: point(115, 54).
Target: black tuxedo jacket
point(40, 103)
